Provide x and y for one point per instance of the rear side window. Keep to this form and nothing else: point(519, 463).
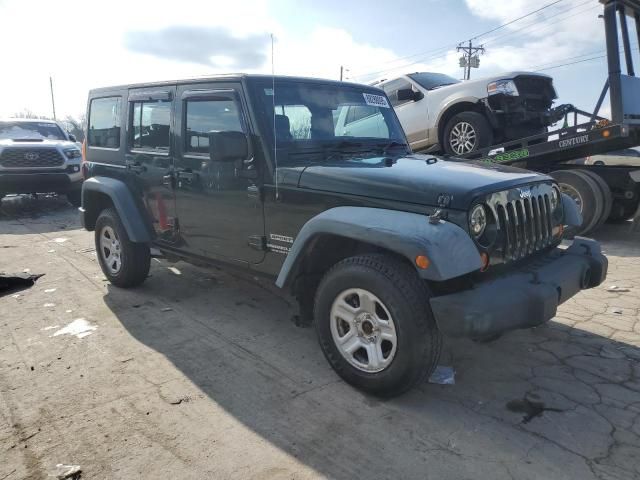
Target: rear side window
point(149, 127)
point(358, 112)
point(104, 122)
point(206, 116)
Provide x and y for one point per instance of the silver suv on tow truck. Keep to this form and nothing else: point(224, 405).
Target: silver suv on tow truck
point(39, 156)
point(438, 112)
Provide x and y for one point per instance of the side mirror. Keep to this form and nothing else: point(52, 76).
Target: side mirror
point(228, 146)
point(408, 94)
point(72, 137)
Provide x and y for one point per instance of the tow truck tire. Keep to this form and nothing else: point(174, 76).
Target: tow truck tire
point(376, 304)
point(124, 263)
point(606, 193)
point(474, 124)
point(586, 193)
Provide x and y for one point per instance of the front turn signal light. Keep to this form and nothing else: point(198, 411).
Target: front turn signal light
point(422, 262)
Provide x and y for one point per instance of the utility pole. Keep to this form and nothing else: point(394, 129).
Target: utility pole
point(470, 58)
point(53, 103)
point(341, 72)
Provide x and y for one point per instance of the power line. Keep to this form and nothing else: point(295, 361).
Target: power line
point(475, 37)
point(519, 31)
point(515, 20)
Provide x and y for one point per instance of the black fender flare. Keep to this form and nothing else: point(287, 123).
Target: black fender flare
point(448, 247)
point(123, 201)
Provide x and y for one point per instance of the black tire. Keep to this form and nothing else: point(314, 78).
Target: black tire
point(135, 258)
point(606, 193)
point(481, 128)
point(406, 297)
point(591, 200)
point(74, 198)
point(600, 163)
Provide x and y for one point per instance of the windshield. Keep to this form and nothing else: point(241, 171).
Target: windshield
point(316, 116)
point(432, 80)
point(30, 131)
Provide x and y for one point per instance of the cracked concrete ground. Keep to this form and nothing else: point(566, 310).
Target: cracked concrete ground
point(200, 374)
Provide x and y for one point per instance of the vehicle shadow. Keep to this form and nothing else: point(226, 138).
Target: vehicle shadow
point(557, 401)
point(43, 213)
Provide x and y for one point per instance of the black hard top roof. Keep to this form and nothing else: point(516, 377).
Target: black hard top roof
point(226, 77)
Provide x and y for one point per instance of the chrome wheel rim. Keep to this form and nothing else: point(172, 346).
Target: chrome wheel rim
point(462, 138)
point(110, 250)
point(363, 330)
point(573, 193)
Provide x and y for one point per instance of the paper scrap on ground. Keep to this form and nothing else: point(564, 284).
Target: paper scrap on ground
point(79, 327)
point(443, 376)
point(48, 305)
point(60, 240)
point(50, 290)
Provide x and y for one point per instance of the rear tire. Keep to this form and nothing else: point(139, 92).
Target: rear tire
point(586, 194)
point(467, 132)
point(401, 345)
point(124, 263)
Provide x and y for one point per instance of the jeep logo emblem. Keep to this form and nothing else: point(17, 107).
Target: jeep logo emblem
point(31, 156)
point(524, 193)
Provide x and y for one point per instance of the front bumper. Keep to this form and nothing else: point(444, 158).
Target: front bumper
point(41, 182)
point(523, 298)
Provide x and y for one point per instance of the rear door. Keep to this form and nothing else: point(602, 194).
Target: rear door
point(218, 206)
point(150, 151)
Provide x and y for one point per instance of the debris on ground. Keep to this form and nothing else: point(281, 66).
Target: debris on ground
point(10, 282)
point(443, 376)
point(50, 290)
point(66, 472)
point(79, 328)
point(616, 288)
point(166, 309)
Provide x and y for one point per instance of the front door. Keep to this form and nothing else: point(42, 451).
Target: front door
point(218, 206)
point(150, 153)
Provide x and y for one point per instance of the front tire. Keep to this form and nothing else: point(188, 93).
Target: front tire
point(467, 132)
point(124, 263)
point(375, 325)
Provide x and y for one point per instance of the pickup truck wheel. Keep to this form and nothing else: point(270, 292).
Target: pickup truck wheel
point(124, 263)
point(375, 325)
point(467, 132)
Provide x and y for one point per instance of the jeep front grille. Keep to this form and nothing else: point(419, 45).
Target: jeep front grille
point(30, 157)
point(524, 221)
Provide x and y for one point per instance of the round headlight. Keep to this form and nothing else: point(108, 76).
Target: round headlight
point(477, 220)
point(555, 198)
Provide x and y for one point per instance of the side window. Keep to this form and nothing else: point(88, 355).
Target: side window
point(104, 122)
point(149, 125)
point(358, 112)
point(293, 122)
point(391, 89)
point(205, 116)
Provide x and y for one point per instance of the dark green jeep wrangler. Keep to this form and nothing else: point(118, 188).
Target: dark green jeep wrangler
point(312, 182)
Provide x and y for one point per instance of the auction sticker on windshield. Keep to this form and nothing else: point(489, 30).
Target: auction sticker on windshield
point(375, 100)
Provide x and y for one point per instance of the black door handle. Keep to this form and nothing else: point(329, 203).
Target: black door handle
point(136, 167)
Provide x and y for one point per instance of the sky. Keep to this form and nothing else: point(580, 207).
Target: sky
point(84, 44)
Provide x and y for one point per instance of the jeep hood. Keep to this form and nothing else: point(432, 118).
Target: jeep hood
point(417, 179)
